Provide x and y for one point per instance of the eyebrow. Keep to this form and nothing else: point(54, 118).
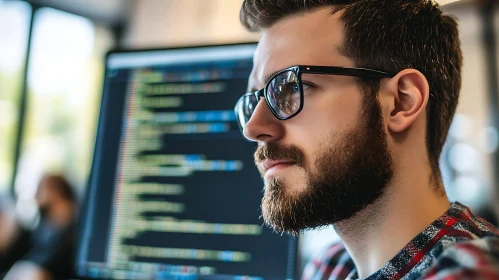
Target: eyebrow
point(267, 77)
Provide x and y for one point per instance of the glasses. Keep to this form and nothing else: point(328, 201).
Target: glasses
point(284, 90)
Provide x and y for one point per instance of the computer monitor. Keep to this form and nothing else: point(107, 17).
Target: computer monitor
point(173, 191)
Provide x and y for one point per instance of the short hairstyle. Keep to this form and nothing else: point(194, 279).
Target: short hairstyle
point(389, 35)
point(60, 184)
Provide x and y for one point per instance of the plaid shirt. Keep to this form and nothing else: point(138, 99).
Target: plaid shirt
point(458, 245)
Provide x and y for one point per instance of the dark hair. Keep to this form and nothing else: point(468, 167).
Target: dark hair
point(61, 185)
point(389, 35)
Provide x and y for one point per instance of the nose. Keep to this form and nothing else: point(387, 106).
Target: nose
point(263, 126)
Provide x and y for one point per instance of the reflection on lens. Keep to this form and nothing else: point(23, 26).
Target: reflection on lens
point(284, 95)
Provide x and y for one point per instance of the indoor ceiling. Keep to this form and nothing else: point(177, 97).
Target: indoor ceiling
point(113, 12)
point(110, 12)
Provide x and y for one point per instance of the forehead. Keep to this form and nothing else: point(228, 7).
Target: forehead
point(309, 39)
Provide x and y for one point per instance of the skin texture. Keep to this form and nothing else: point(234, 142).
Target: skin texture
point(336, 112)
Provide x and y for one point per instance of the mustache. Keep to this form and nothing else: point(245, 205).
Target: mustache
point(276, 151)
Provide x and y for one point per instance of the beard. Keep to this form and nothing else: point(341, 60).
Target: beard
point(350, 175)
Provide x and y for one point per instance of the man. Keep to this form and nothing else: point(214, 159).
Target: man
point(359, 148)
point(53, 240)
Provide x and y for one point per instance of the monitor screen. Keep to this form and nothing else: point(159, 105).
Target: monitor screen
point(173, 192)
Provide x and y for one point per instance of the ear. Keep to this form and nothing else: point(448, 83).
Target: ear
point(408, 94)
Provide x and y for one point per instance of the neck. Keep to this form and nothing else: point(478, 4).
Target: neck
point(409, 205)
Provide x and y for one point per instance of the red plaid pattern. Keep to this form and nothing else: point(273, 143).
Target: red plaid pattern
point(458, 245)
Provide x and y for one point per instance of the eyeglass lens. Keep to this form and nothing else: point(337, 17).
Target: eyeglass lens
point(244, 108)
point(283, 93)
point(283, 97)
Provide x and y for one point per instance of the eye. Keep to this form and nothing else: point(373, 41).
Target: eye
point(289, 88)
point(307, 86)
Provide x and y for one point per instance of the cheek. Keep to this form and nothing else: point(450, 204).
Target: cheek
point(324, 118)
point(336, 111)
point(42, 197)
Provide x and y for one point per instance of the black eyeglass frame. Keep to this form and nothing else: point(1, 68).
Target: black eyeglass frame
point(298, 70)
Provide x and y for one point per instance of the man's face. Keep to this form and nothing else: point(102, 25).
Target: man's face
point(331, 160)
point(45, 193)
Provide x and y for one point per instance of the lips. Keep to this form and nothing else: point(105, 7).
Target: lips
point(268, 164)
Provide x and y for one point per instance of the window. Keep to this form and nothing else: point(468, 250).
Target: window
point(14, 31)
point(64, 86)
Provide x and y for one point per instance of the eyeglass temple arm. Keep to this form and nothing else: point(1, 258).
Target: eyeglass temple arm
point(356, 72)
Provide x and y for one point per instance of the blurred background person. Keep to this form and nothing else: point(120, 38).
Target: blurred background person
point(53, 239)
point(50, 93)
